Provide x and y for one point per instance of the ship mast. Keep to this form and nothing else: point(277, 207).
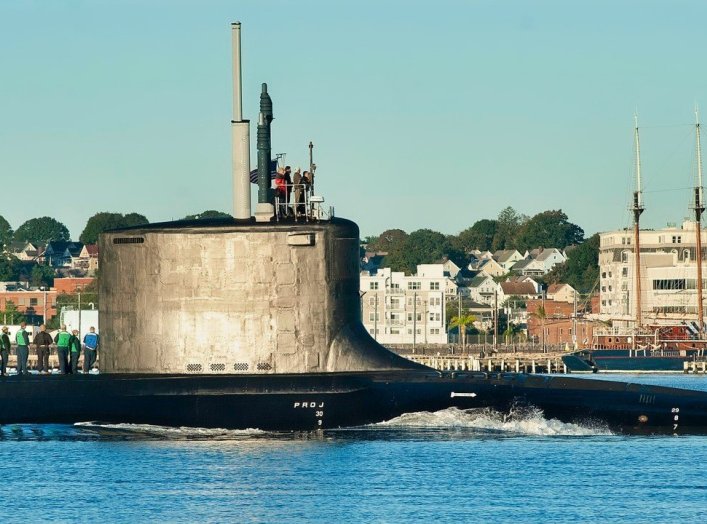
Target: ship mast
point(637, 208)
point(699, 209)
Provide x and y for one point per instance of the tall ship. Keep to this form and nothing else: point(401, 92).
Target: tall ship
point(255, 322)
point(651, 290)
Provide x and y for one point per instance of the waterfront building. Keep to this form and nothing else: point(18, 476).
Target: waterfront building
point(35, 304)
point(668, 275)
point(405, 309)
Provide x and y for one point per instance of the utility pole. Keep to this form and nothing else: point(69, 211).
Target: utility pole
point(495, 321)
point(637, 209)
point(414, 320)
point(375, 320)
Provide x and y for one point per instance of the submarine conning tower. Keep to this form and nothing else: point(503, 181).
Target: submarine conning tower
point(237, 295)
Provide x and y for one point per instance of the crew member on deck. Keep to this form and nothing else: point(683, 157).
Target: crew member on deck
point(90, 345)
point(22, 341)
point(42, 341)
point(62, 349)
point(4, 349)
point(75, 349)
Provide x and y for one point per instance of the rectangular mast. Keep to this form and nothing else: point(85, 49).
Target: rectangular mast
point(637, 209)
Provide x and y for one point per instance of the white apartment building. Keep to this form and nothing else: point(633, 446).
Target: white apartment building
point(668, 274)
point(406, 309)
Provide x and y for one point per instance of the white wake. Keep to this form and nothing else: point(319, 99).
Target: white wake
point(186, 433)
point(519, 422)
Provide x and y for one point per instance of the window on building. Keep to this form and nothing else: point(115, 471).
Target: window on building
point(434, 331)
point(438, 317)
point(372, 301)
point(624, 272)
point(409, 317)
point(395, 286)
point(419, 317)
point(624, 257)
point(394, 331)
point(677, 239)
point(32, 301)
point(373, 316)
point(373, 285)
point(413, 286)
point(686, 255)
point(434, 286)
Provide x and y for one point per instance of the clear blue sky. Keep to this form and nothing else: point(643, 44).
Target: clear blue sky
point(424, 114)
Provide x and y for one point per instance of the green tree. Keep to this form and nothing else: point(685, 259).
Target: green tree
point(42, 275)
point(210, 213)
point(549, 229)
point(541, 315)
point(479, 236)
point(508, 224)
point(11, 315)
point(462, 322)
point(43, 229)
point(10, 268)
point(388, 241)
point(5, 233)
point(423, 246)
point(581, 269)
point(105, 221)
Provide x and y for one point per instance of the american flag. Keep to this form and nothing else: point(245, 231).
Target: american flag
point(273, 172)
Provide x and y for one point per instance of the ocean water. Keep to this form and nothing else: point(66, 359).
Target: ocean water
point(449, 466)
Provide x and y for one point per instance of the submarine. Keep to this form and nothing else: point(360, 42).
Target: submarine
point(255, 322)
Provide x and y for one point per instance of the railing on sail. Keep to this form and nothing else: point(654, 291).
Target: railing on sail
point(296, 202)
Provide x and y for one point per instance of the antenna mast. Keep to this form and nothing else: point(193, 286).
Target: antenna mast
point(699, 208)
point(637, 209)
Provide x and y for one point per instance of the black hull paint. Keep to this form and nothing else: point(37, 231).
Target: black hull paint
point(321, 401)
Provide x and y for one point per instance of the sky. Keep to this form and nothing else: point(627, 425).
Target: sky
point(423, 114)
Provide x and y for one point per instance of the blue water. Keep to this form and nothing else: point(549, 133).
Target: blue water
point(450, 466)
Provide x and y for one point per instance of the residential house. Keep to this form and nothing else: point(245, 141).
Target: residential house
point(61, 253)
point(71, 285)
point(561, 293)
point(522, 290)
point(491, 268)
point(88, 258)
point(507, 258)
point(482, 289)
point(24, 251)
point(539, 262)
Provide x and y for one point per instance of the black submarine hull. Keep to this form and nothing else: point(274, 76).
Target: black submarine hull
point(305, 402)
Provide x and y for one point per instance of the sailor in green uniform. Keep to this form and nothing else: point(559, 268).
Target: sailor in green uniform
point(62, 349)
point(75, 349)
point(22, 340)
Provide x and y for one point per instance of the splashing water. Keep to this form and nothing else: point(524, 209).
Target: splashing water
point(176, 433)
point(527, 421)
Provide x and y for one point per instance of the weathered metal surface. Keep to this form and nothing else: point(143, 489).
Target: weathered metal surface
point(235, 299)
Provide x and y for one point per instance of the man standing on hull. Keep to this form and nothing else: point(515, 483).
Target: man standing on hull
point(22, 340)
point(90, 344)
point(62, 349)
point(75, 349)
point(42, 340)
point(4, 348)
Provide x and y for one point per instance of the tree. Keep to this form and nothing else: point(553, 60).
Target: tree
point(5, 233)
point(388, 240)
point(581, 269)
point(462, 322)
point(479, 236)
point(541, 315)
point(507, 226)
point(10, 268)
point(11, 315)
point(210, 213)
point(549, 229)
point(423, 246)
point(42, 275)
point(105, 221)
point(43, 229)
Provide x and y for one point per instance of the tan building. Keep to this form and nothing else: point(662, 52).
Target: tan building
point(668, 275)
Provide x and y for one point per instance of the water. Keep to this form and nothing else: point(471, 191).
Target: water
point(450, 466)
